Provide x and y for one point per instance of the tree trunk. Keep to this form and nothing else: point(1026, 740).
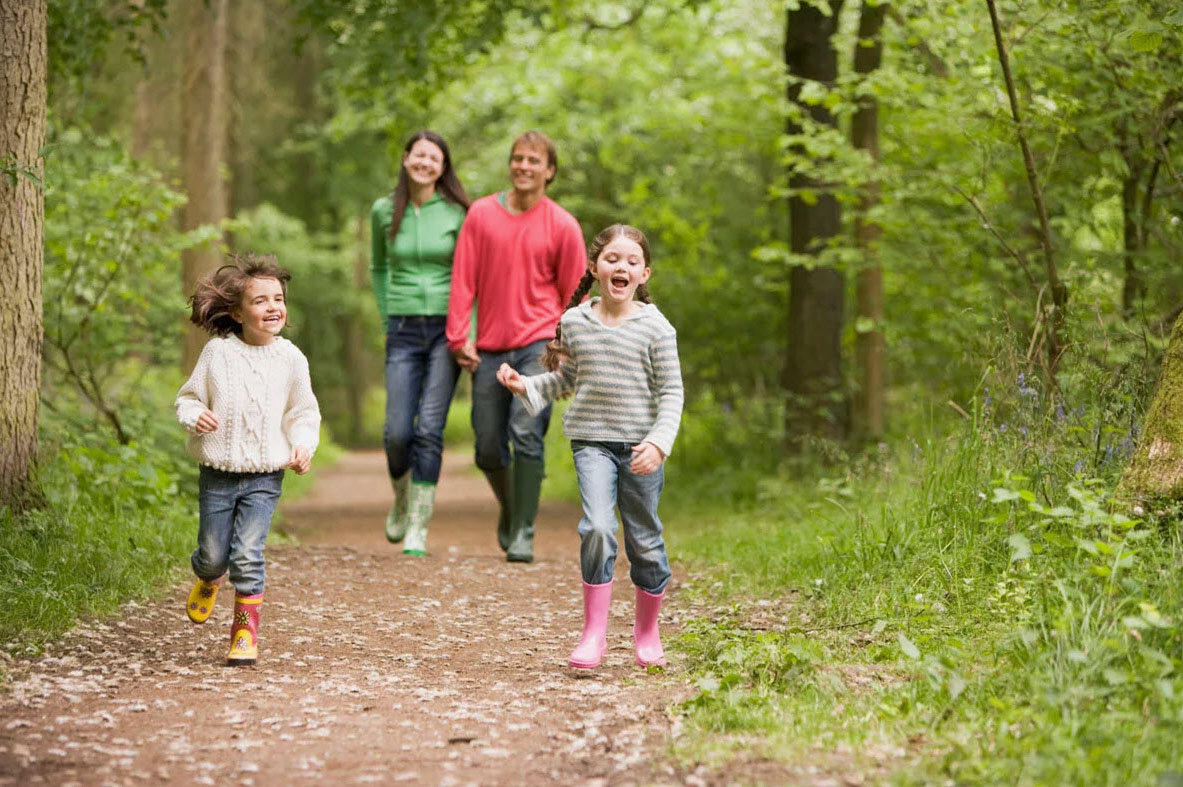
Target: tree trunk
point(1132, 288)
point(22, 221)
point(870, 344)
point(358, 373)
point(1155, 471)
point(203, 120)
point(813, 367)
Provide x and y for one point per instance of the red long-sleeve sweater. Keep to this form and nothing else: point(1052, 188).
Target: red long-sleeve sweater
point(521, 269)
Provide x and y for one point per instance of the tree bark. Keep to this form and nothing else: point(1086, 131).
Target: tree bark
point(1133, 288)
point(813, 369)
point(870, 343)
point(203, 120)
point(22, 223)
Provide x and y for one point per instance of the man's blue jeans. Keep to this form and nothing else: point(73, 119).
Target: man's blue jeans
point(236, 511)
point(498, 418)
point(606, 483)
point(420, 380)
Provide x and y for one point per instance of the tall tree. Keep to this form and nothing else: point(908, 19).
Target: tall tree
point(203, 119)
point(22, 222)
point(870, 345)
point(813, 368)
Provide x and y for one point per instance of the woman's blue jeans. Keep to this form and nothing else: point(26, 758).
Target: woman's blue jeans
point(236, 511)
point(606, 483)
point(421, 377)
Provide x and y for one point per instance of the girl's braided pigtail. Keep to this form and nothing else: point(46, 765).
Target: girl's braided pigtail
point(643, 294)
point(555, 351)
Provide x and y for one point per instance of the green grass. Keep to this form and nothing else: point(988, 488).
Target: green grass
point(900, 603)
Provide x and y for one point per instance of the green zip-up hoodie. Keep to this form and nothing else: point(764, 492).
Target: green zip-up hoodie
point(413, 273)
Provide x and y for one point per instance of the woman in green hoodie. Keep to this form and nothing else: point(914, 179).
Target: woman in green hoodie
point(414, 234)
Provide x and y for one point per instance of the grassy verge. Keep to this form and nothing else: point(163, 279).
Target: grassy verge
point(969, 606)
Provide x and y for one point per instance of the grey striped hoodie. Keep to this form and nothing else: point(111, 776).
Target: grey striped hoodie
point(626, 380)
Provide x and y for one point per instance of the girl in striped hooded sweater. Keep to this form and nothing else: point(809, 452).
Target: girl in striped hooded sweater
point(618, 356)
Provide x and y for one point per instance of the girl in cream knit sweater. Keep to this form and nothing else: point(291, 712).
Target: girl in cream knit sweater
point(250, 413)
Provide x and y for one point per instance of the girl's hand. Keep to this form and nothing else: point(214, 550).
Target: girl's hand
point(509, 377)
point(206, 422)
point(646, 458)
point(301, 460)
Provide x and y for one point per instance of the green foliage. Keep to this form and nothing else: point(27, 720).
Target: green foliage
point(682, 145)
point(111, 255)
point(331, 312)
point(118, 520)
point(973, 588)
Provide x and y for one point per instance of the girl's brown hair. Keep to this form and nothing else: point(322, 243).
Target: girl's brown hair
point(447, 184)
point(216, 296)
point(555, 351)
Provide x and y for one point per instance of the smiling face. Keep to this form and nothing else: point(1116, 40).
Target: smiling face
point(530, 168)
point(620, 268)
point(424, 162)
point(263, 311)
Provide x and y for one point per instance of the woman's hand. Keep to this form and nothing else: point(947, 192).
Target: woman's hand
point(509, 377)
point(206, 422)
point(301, 460)
point(646, 458)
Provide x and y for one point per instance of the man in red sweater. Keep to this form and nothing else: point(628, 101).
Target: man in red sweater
point(520, 256)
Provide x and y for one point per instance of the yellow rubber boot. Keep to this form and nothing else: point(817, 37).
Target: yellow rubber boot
point(202, 596)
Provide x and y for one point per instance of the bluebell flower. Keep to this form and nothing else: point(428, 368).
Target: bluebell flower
point(1023, 431)
point(1060, 414)
point(1078, 467)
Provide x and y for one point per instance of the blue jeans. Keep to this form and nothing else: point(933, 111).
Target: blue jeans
point(236, 511)
point(607, 483)
point(498, 418)
point(420, 380)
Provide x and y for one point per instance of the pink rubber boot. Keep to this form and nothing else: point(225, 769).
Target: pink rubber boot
point(590, 650)
point(645, 634)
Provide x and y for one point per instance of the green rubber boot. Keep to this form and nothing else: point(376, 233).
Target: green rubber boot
point(419, 510)
point(527, 484)
point(501, 482)
point(396, 520)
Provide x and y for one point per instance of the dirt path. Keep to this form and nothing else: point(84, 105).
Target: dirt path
point(374, 667)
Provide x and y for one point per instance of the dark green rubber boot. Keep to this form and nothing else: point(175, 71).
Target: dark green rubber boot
point(501, 482)
point(527, 483)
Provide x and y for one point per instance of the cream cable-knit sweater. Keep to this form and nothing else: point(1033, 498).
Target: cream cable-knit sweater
point(263, 399)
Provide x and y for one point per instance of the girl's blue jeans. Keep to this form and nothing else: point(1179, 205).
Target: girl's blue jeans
point(421, 377)
point(236, 511)
point(606, 483)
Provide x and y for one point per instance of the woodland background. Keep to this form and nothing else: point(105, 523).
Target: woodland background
point(923, 258)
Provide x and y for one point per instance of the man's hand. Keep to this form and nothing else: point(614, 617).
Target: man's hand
point(467, 356)
point(301, 460)
point(646, 458)
point(206, 422)
point(509, 377)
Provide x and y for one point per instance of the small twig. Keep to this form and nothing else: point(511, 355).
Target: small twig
point(837, 627)
point(1018, 255)
point(957, 407)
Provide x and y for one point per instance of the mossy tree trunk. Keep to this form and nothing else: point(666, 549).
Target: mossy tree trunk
point(1155, 471)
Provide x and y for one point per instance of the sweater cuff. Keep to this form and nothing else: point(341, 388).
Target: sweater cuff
point(662, 441)
point(532, 399)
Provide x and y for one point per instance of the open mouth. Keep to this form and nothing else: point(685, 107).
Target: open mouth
point(619, 280)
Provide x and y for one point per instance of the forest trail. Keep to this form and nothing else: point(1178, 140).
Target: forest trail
point(374, 667)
